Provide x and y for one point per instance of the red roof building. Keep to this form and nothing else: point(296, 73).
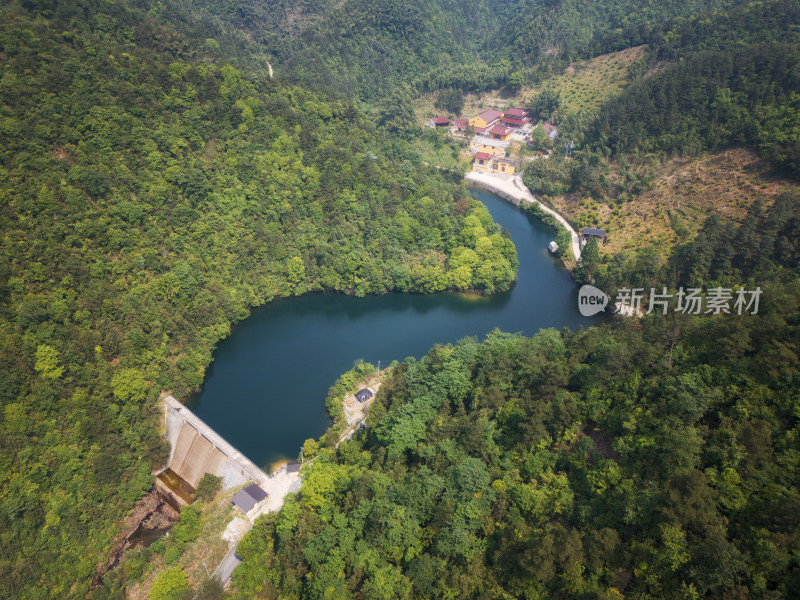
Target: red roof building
point(483, 161)
point(461, 123)
point(439, 121)
point(499, 132)
point(515, 112)
point(514, 121)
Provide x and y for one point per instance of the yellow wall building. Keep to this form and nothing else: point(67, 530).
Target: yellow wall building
point(503, 165)
point(487, 148)
point(482, 162)
point(484, 118)
point(498, 132)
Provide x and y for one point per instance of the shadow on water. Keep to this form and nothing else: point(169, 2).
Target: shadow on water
point(266, 388)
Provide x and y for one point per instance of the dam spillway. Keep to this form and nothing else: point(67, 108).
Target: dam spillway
point(196, 449)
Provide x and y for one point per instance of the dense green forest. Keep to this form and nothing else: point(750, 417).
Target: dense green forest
point(657, 458)
point(376, 50)
point(711, 100)
point(156, 183)
point(358, 48)
point(707, 82)
point(151, 194)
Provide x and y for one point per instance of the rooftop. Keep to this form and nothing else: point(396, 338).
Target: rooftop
point(499, 130)
point(490, 115)
point(440, 120)
point(515, 112)
point(514, 120)
point(593, 232)
point(292, 467)
point(363, 395)
point(483, 156)
point(487, 141)
point(247, 498)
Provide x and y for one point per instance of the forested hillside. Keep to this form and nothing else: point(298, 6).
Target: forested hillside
point(151, 195)
point(654, 459)
point(361, 48)
point(379, 49)
point(711, 100)
point(156, 183)
point(708, 86)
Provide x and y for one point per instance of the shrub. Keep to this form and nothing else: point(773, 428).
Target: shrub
point(208, 487)
point(170, 585)
point(172, 555)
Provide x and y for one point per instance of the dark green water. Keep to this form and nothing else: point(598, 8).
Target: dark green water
point(265, 391)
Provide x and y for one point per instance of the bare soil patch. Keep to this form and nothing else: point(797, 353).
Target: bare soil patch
point(683, 192)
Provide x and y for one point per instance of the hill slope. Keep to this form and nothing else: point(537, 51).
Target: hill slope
point(151, 195)
point(597, 464)
point(374, 49)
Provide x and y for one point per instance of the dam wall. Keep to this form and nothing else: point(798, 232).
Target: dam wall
point(196, 449)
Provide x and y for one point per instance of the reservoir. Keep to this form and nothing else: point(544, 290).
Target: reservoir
point(265, 391)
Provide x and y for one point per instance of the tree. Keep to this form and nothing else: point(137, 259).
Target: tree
point(129, 385)
point(310, 449)
point(540, 140)
point(188, 528)
point(47, 359)
point(564, 241)
point(211, 590)
point(208, 487)
point(590, 260)
point(170, 585)
point(295, 271)
point(450, 100)
point(545, 104)
point(516, 80)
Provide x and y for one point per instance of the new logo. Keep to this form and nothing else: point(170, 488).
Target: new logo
point(591, 300)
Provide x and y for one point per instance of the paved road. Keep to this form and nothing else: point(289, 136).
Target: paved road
point(576, 244)
point(277, 486)
point(515, 188)
point(226, 567)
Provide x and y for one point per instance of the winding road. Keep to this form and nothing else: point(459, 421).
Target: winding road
point(515, 189)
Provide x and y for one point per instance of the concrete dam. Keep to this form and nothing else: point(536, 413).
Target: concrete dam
point(196, 449)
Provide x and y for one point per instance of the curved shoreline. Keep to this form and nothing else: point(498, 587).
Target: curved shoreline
point(516, 192)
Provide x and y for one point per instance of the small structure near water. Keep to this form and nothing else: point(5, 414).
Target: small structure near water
point(249, 498)
point(591, 232)
point(553, 247)
point(292, 467)
point(363, 395)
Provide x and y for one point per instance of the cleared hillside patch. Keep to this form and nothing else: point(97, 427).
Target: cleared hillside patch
point(683, 192)
point(586, 84)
